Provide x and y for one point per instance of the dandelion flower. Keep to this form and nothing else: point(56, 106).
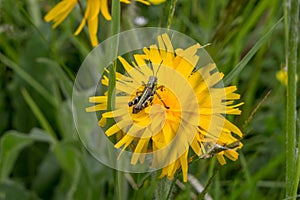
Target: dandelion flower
point(185, 112)
point(91, 15)
point(282, 76)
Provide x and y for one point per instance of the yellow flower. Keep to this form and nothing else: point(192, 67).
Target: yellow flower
point(282, 76)
point(91, 15)
point(185, 112)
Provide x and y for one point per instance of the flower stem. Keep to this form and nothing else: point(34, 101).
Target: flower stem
point(120, 182)
point(297, 174)
point(164, 186)
point(112, 70)
point(291, 114)
point(171, 13)
point(203, 193)
point(115, 10)
point(116, 15)
point(162, 189)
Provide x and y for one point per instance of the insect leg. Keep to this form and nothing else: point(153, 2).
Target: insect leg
point(167, 107)
point(138, 93)
point(161, 87)
point(134, 101)
point(147, 102)
point(136, 98)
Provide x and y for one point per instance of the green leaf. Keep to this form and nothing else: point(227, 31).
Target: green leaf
point(39, 115)
point(64, 117)
point(64, 81)
point(13, 190)
point(68, 157)
point(12, 144)
point(48, 174)
point(40, 135)
point(242, 64)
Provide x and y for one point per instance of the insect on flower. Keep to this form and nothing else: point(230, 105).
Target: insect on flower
point(163, 120)
point(144, 98)
point(217, 148)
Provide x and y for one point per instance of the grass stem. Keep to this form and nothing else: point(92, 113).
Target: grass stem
point(120, 182)
point(171, 13)
point(291, 114)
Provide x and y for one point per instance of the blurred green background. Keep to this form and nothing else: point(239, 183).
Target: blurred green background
point(41, 155)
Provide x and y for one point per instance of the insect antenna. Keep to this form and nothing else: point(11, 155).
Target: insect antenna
point(151, 67)
point(159, 67)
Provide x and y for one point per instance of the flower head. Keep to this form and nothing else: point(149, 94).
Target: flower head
point(91, 15)
point(166, 106)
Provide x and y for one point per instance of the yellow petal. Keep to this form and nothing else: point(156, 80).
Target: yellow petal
point(125, 1)
point(156, 2)
point(143, 1)
point(184, 165)
point(140, 59)
point(231, 154)
point(164, 43)
point(138, 150)
point(154, 54)
point(126, 140)
point(112, 130)
point(230, 126)
point(104, 10)
point(97, 107)
point(117, 127)
point(80, 27)
point(93, 28)
point(221, 159)
point(136, 75)
point(95, 8)
point(61, 7)
point(61, 17)
point(196, 147)
point(206, 70)
point(98, 99)
point(102, 122)
point(115, 113)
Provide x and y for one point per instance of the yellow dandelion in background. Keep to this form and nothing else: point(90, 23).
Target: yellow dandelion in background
point(164, 106)
point(91, 15)
point(282, 76)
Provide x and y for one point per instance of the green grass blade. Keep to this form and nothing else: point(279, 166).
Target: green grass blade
point(297, 174)
point(171, 13)
point(242, 64)
point(38, 113)
point(29, 79)
point(291, 98)
point(260, 175)
point(34, 12)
